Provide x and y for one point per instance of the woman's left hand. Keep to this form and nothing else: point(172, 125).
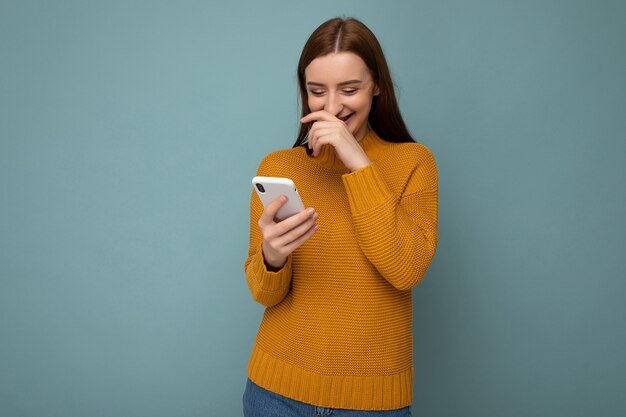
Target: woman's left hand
point(329, 130)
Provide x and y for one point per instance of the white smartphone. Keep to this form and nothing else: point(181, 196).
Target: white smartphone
point(270, 188)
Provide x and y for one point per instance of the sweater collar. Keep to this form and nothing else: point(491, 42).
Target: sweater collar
point(371, 143)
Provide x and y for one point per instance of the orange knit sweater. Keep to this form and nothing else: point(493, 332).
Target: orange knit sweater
point(337, 329)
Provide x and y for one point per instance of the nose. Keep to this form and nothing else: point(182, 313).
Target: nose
point(333, 104)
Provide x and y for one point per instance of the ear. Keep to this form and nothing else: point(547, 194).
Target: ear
point(376, 90)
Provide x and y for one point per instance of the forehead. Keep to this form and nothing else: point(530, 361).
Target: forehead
point(336, 67)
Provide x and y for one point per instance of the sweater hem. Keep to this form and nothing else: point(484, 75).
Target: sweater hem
point(356, 392)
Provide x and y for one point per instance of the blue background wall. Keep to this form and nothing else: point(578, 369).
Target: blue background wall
point(129, 132)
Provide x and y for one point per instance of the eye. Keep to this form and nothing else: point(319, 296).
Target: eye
point(316, 92)
point(350, 91)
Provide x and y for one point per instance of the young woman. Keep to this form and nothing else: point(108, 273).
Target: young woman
point(336, 336)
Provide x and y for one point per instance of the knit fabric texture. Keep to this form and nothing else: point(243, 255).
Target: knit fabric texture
point(337, 328)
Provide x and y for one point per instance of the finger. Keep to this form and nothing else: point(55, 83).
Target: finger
point(320, 129)
point(286, 225)
point(318, 115)
point(319, 126)
point(321, 138)
point(296, 232)
point(311, 140)
point(327, 123)
point(296, 243)
point(285, 246)
point(267, 217)
point(318, 133)
point(320, 144)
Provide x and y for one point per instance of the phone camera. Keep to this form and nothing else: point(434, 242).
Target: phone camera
point(260, 187)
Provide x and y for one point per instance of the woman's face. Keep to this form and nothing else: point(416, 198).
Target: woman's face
point(341, 84)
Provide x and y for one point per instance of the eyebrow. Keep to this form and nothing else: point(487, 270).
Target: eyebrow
point(338, 85)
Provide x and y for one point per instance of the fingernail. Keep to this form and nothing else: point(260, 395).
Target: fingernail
point(310, 211)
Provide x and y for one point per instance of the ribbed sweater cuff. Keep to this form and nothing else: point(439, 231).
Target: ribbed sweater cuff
point(365, 188)
point(269, 280)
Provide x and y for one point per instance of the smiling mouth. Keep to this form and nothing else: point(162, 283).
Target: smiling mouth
point(345, 118)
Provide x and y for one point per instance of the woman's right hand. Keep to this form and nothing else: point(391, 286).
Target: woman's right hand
point(282, 238)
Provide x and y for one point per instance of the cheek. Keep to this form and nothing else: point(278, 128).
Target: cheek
point(363, 104)
point(315, 103)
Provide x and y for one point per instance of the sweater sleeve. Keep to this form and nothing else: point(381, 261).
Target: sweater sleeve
point(398, 234)
point(267, 287)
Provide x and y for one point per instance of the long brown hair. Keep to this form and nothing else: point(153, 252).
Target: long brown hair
point(351, 35)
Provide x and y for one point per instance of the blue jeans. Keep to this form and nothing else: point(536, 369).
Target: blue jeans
point(259, 402)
